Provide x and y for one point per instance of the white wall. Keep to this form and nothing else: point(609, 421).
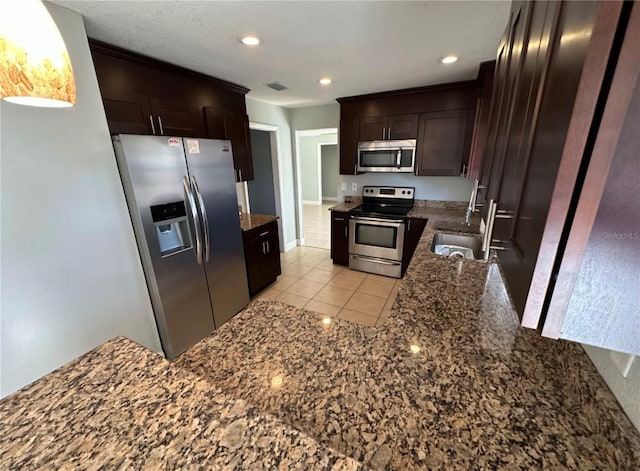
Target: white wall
point(71, 275)
point(265, 113)
point(625, 390)
point(427, 188)
point(315, 117)
point(309, 163)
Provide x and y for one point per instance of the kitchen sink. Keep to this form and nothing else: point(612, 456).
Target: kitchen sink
point(457, 246)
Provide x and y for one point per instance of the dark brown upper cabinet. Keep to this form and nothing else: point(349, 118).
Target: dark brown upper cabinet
point(145, 96)
point(223, 124)
point(384, 128)
point(348, 138)
point(443, 143)
point(400, 114)
point(556, 134)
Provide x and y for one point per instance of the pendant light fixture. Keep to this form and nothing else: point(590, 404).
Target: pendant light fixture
point(35, 68)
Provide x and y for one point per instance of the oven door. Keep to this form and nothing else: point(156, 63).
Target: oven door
point(376, 237)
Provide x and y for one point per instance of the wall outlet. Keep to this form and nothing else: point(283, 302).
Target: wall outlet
point(354, 186)
point(344, 186)
point(623, 361)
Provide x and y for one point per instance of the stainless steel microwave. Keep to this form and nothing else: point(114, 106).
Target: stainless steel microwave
point(387, 156)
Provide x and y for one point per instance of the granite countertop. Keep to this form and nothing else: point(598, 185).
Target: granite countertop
point(449, 381)
point(250, 221)
point(347, 205)
point(122, 406)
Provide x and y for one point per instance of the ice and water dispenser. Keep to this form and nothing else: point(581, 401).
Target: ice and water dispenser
point(172, 227)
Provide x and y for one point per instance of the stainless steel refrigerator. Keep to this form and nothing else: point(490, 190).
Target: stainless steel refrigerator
point(182, 201)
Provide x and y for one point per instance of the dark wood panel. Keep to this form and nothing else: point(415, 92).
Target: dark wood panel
point(151, 78)
point(602, 249)
point(216, 121)
point(516, 45)
point(129, 56)
point(403, 126)
point(415, 100)
point(373, 128)
point(176, 118)
point(441, 143)
point(340, 237)
point(535, 58)
point(560, 88)
point(413, 232)
point(127, 112)
point(348, 138)
point(262, 256)
point(239, 134)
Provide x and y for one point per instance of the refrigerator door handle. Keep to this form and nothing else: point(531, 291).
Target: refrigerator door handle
point(205, 221)
point(196, 220)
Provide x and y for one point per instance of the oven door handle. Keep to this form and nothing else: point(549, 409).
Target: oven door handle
point(375, 260)
point(361, 218)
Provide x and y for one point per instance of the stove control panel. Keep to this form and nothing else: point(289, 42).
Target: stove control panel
point(397, 192)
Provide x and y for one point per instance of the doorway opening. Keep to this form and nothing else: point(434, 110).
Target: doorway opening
point(262, 195)
point(317, 176)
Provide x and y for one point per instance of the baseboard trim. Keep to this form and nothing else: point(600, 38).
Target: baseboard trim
point(318, 203)
point(290, 245)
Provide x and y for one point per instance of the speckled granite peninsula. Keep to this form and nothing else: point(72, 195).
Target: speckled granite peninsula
point(450, 381)
point(122, 406)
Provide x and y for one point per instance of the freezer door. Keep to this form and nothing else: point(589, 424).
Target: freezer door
point(210, 165)
point(153, 171)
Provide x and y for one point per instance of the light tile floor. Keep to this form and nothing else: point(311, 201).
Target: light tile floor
point(310, 280)
point(316, 225)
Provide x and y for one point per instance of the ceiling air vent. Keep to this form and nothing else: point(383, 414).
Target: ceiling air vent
point(278, 87)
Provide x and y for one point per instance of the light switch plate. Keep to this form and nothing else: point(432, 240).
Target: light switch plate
point(343, 186)
point(354, 186)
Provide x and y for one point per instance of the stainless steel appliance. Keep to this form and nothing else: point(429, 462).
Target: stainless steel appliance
point(376, 230)
point(387, 156)
point(182, 201)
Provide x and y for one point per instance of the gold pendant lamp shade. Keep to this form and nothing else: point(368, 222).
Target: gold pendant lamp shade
point(35, 68)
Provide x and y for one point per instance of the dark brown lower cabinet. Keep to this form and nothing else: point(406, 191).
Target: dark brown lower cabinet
point(340, 237)
point(413, 232)
point(262, 256)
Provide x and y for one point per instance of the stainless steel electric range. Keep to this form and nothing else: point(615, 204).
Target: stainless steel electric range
point(376, 229)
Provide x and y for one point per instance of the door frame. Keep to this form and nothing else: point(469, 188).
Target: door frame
point(298, 176)
point(274, 139)
point(319, 152)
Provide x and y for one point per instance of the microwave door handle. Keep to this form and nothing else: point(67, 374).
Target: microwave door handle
point(205, 221)
point(398, 158)
point(196, 219)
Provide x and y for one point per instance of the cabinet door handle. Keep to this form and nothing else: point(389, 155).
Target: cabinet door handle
point(153, 128)
point(262, 248)
point(409, 225)
point(355, 169)
point(160, 123)
point(264, 233)
point(268, 247)
point(338, 219)
point(239, 174)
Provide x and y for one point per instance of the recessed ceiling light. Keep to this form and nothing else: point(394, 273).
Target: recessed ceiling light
point(448, 59)
point(325, 81)
point(250, 40)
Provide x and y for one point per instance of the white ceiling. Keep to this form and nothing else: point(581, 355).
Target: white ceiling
point(365, 46)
